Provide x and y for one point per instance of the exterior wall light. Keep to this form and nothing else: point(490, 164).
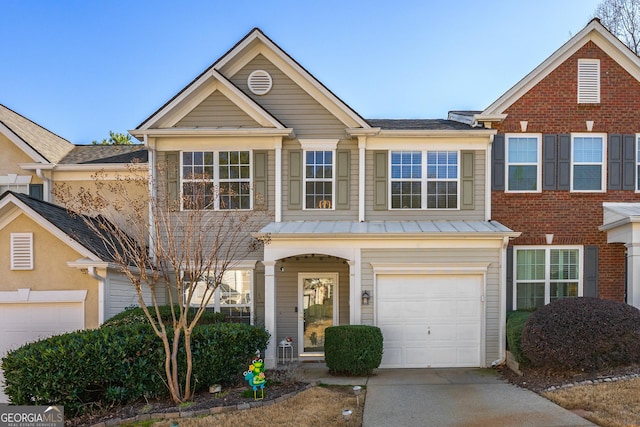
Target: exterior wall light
point(366, 296)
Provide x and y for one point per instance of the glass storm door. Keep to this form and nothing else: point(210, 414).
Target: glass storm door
point(319, 301)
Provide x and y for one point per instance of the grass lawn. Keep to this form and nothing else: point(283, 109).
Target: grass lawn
point(611, 404)
point(317, 406)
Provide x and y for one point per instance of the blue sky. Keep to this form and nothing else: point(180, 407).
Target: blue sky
point(82, 68)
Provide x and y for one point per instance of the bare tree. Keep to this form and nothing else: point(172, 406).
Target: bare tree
point(622, 18)
point(164, 250)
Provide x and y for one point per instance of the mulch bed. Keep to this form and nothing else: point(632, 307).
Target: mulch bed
point(230, 397)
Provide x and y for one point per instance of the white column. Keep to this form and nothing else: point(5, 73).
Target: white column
point(633, 274)
point(354, 295)
point(278, 183)
point(362, 145)
point(271, 356)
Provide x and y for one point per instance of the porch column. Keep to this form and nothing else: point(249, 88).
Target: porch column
point(270, 357)
point(354, 295)
point(633, 274)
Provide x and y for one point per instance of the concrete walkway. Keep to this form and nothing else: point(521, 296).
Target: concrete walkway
point(447, 397)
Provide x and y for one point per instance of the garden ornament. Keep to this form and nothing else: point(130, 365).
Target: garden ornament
point(256, 378)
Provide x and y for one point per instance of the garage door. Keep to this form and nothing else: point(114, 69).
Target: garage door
point(430, 321)
point(27, 322)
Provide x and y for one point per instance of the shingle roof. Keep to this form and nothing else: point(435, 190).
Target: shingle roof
point(46, 143)
point(87, 154)
point(72, 225)
point(419, 124)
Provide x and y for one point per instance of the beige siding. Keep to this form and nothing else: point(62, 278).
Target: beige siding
point(120, 294)
point(217, 111)
point(435, 256)
point(289, 103)
point(287, 292)
point(416, 214)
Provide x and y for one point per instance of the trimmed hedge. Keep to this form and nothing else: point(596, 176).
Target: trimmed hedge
point(136, 315)
point(515, 324)
point(117, 364)
point(582, 334)
point(353, 349)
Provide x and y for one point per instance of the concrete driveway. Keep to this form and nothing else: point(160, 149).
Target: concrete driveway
point(447, 397)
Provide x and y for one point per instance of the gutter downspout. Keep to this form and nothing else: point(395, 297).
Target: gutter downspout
point(46, 187)
point(101, 284)
point(502, 329)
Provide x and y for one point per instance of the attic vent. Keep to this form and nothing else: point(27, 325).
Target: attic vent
point(259, 82)
point(588, 81)
point(22, 251)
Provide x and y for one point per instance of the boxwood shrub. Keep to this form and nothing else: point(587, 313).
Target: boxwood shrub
point(353, 349)
point(123, 363)
point(515, 324)
point(583, 334)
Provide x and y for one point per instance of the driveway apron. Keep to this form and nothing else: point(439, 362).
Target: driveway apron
point(457, 397)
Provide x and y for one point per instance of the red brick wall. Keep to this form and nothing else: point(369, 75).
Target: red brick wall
point(551, 107)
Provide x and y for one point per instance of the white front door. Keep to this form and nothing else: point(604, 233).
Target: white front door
point(318, 299)
point(430, 320)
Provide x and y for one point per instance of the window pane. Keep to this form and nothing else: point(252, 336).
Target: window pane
point(587, 149)
point(564, 264)
point(523, 178)
point(198, 195)
point(406, 195)
point(529, 296)
point(587, 177)
point(523, 150)
point(563, 290)
point(530, 264)
point(442, 195)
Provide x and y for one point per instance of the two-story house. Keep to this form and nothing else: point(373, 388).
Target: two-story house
point(565, 173)
point(380, 222)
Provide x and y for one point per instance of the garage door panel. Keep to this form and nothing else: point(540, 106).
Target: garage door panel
point(430, 320)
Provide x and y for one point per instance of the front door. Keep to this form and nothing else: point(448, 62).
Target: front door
point(318, 298)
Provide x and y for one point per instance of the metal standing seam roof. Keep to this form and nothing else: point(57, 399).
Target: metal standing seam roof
point(436, 227)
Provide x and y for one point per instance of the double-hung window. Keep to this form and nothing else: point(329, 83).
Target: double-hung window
point(216, 180)
point(545, 274)
point(318, 179)
point(588, 170)
point(424, 179)
point(523, 163)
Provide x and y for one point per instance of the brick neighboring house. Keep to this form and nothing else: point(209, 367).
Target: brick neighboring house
point(565, 173)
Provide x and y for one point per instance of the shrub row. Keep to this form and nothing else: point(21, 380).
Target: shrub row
point(136, 315)
point(353, 349)
point(515, 324)
point(122, 363)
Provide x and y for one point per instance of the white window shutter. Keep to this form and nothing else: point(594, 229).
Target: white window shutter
point(588, 81)
point(22, 251)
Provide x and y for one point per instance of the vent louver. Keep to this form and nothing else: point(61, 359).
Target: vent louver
point(588, 81)
point(259, 82)
point(22, 251)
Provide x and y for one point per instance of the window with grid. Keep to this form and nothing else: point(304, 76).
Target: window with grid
point(523, 155)
point(318, 178)
point(233, 296)
point(587, 163)
point(546, 274)
point(424, 179)
point(15, 183)
point(216, 180)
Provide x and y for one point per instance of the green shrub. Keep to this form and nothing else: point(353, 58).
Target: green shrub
point(136, 315)
point(582, 334)
point(123, 363)
point(515, 324)
point(353, 349)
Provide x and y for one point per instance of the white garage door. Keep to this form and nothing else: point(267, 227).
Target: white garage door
point(430, 321)
point(28, 322)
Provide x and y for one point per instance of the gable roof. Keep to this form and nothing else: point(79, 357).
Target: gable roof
point(254, 43)
point(595, 32)
point(37, 142)
point(68, 227)
point(91, 154)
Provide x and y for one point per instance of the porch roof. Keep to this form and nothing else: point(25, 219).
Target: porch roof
point(408, 228)
point(618, 214)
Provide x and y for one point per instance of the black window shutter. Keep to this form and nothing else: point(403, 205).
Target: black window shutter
point(590, 283)
point(498, 163)
point(549, 161)
point(629, 162)
point(509, 278)
point(615, 162)
point(564, 162)
point(36, 191)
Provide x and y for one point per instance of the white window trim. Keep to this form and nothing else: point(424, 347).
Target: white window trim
point(547, 273)
point(538, 162)
point(318, 147)
point(424, 180)
point(21, 251)
point(592, 83)
point(216, 178)
point(603, 169)
point(16, 183)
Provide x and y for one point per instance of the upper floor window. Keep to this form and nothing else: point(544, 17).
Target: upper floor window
point(216, 180)
point(318, 179)
point(15, 183)
point(522, 163)
point(424, 179)
point(588, 170)
point(588, 81)
point(545, 274)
